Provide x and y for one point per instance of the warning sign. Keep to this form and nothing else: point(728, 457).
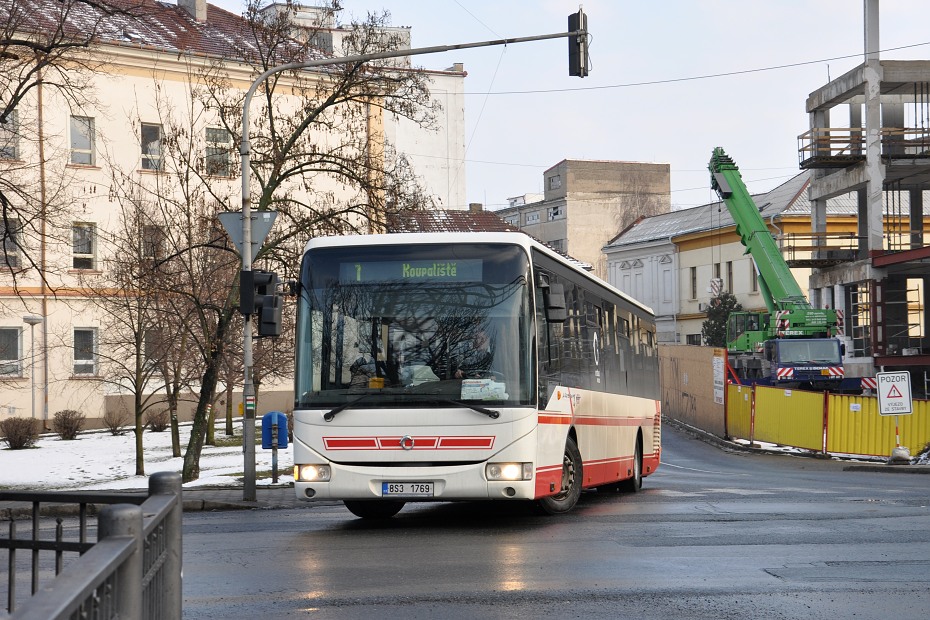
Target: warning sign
point(894, 393)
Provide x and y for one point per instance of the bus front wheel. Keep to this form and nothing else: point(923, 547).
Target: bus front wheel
point(373, 509)
point(568, 495)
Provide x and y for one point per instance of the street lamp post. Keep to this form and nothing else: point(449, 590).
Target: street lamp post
point(248, 388)
point(32, 320)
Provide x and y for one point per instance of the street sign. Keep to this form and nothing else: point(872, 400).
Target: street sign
point(894, 393)
point(261, 225)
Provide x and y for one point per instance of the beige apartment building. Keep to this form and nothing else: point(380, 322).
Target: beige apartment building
point(82, 155)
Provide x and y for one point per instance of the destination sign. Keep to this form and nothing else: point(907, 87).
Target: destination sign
point(448, 270)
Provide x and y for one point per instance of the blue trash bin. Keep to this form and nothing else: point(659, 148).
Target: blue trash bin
point(268, 421)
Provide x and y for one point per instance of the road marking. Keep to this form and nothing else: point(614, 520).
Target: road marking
point(703, 471)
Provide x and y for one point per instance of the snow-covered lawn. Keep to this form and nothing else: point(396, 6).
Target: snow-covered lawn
point(98, 460)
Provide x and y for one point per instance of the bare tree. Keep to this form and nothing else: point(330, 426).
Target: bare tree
point(131, 335)
point(318, 158)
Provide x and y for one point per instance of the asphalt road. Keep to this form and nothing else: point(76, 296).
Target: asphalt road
point(713, 534)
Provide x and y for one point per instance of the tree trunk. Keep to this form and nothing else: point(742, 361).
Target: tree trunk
point(191, 470)
point(140, 461)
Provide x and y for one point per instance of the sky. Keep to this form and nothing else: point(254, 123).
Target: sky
point(670, 80)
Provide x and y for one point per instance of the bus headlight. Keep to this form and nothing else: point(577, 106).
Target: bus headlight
point(312, 473)
point(509, 471)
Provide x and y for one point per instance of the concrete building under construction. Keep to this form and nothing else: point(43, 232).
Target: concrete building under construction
point(870, 134)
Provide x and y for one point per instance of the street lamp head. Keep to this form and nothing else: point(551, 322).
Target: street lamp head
point(32, 319)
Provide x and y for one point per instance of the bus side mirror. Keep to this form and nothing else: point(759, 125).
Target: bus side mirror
point(554, 299)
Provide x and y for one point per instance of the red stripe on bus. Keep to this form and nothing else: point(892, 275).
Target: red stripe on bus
point(418, 443)
point(452, 443)
point(350, 443)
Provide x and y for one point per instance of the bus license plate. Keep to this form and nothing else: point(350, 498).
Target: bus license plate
point(406, 489)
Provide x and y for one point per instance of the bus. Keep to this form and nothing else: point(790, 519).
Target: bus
point(467, 366)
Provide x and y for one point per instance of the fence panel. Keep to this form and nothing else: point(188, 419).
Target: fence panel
point(789, 417)
point(739, 410)
point(854, 426)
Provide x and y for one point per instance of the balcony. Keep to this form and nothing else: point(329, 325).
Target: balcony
point(839, 147)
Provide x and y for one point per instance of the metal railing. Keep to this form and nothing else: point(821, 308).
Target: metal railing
point(132, 571)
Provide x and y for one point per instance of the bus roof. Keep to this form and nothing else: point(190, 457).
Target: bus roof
point(507, 238)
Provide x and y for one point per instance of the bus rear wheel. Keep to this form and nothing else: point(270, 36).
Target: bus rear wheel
point(373, 509)
point(568, 496)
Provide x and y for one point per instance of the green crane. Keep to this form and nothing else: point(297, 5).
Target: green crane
point(753, 337)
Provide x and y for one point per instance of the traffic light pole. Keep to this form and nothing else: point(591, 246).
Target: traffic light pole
point(248, 390)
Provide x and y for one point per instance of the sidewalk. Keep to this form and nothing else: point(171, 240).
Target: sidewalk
point(193, 500)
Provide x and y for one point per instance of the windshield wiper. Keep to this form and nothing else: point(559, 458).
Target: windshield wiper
point(329, 415)
point(491, 413)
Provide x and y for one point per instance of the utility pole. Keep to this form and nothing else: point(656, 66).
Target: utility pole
point(578, 59)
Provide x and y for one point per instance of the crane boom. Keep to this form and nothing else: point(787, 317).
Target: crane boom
point(777, 285)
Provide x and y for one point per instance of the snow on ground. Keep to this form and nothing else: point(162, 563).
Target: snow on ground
point(98, 460)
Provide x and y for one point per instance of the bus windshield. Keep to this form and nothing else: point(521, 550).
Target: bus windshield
point(408, 325)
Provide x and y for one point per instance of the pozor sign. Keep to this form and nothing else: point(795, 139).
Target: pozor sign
point(894, 393)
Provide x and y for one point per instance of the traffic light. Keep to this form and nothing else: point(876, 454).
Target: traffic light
point(258, 295)
point(578, 44)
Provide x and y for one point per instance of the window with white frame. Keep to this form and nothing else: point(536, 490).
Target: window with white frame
point(83, 244)
point(10, 236)
point(556, 212)
point(85, 351)
point(532, 217)
point(693, 282)
point(11, 359)
point(555, 181)
point(9, 136)
point(754, 277)
point(82, 141)
point(218, 160)
point(151, 147)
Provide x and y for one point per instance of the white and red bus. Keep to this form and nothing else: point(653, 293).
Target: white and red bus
point(467, 366)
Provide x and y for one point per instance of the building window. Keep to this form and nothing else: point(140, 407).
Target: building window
point(730, 276)
point(153, 242)
point(82, 140)
point(10, 232)
point(556, 212)
point(10, 356)
point(151, 147)
point(754, 277)
point(9, 137)
point(513, 220)
point(694, 339)
point(83, 242)
point(555, 181)
point(85, 351)
point(532, 217)
point(558, 245)
point(219, 148)
point(693, 283)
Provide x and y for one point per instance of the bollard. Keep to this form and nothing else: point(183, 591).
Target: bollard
point(169, 483)
point(125, 520)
